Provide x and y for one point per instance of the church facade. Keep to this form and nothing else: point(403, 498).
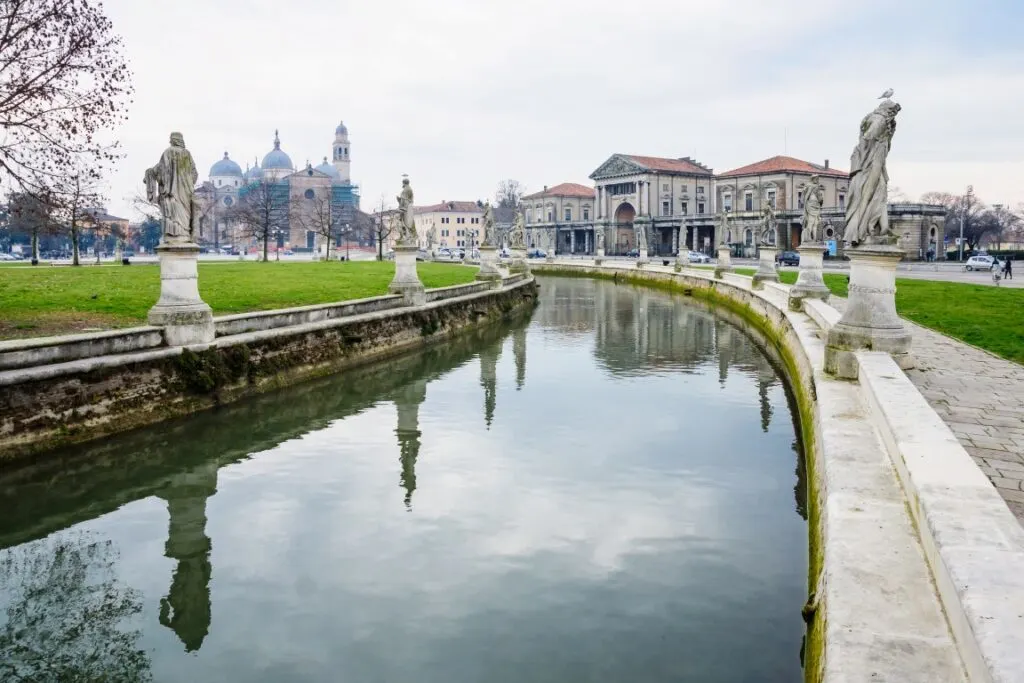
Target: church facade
point(298, 190)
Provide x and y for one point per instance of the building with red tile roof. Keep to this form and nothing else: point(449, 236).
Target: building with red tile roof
point(784, 164)
point(564, 190)
point(455, 223)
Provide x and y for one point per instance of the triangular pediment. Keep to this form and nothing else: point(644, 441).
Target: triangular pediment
point(308, 173)
point(616, 165)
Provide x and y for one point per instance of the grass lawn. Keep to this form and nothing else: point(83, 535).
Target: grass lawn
point(61, 299)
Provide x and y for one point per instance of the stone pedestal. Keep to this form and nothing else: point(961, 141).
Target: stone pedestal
point(550, 257)
point(766, 271)
point(488, 266)
point(870, 320)
point(185, 317)
point(518, 263)
point(809, 283)
point(683, 258)
point(599, 258)
point(724, 264)
point(407, 280)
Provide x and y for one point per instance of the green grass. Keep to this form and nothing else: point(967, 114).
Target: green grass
point(54, 300)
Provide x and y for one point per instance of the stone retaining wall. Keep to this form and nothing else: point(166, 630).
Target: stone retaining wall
point(917, 566)
point(48, 405)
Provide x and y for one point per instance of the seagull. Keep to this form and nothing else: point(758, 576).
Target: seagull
point(886, 94)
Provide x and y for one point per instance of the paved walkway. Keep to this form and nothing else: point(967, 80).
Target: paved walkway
point(981, 398)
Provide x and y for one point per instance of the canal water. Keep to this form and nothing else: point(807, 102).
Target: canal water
point(608, 491)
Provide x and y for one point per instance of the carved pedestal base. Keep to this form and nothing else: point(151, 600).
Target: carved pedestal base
point(870, 320)
point(185, 317)
point(766, 267)
point(518, 264)
point(642, 260)
point(682, 259)
point(407, 280)
point(599, 258)
point(724, 263)
point(488, 266)
point(809, 283)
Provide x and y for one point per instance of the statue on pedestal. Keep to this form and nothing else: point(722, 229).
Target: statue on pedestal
point(768, 225)
point(600, 238)
point(867, 216)
point(487, 229)
point(814, 197)
point(641, 238)
point(517, 236)
point(406, 220)
point(171, 185)
point(431, 237)
point(724, 233)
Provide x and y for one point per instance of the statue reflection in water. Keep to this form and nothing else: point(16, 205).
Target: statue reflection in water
point(186, 608)
point(489, 380)
point(407, 403)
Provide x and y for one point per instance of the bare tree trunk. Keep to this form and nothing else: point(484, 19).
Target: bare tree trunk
point(35, 246)
point(74, 243)
point(266, 239)
point(327, 256)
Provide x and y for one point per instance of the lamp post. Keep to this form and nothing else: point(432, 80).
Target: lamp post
point(963, 210)
point(346, 242)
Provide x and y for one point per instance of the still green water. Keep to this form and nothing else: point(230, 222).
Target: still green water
point(609, 491)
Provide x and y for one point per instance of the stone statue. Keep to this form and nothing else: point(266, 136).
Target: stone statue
point(768, 225)
point(431, 237)
point(406, 221)
point(814, 197)
point(171, 185)
point(724, 232)
point(600, 238)
point(867, 217)
point(641, 238)
point(517, 236)
point(487, 227)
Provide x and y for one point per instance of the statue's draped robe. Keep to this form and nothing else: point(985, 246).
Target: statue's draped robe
point(407, 227)
point(517, 239)
point(866, 211)
point(812, 215)
point(175, 178)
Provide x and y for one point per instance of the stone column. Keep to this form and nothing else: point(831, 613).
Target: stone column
point(675, 240)
point(870, 320)
point(640, 224)
point(407, 280)
point(809, 283)
point(572, 242)
point(185, 317)
point(488, 265)
point(766, 271)
point(724, 263)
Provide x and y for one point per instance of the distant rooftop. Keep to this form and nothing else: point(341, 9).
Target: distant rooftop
point(564, 190)
point(784, 164)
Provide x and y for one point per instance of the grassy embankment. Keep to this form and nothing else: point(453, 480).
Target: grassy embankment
point(60, 300)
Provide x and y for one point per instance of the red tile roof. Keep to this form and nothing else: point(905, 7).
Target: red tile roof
point(565, 190)
point(684, 165)
point(462, 207)
point(781, 164)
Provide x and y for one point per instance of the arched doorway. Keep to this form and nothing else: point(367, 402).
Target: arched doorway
point(625, 239)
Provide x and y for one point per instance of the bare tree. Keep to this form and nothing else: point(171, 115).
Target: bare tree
point(63, 82)
point(320, 216)
point(74, 196)
point(382, 225)
point(509, 194)
point(262, 211)
point(32, 215)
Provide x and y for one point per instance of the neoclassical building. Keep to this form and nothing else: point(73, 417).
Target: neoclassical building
point(455, 223)
point(677, 202)
point(298, 189)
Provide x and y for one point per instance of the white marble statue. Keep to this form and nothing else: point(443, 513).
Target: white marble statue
point(517, 236)
point(600, 238)
point(487, 227)
point(406, 220)
point(641, 238)
point(867, 217)
point(768, 225)
point(814, 197)
point(171, 185)
point(724, 232)
point(431, 237)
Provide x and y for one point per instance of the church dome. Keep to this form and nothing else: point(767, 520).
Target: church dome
point(226, 167)
point(328, 169)
point(341, 129)
point(276, 158)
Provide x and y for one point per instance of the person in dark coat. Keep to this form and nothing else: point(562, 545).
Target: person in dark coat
point(1008, 269)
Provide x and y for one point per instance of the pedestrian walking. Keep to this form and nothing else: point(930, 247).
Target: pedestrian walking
point(1008, 269)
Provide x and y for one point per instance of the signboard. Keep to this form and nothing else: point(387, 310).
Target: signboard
point(831, 245)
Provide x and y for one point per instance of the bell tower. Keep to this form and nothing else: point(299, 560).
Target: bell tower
point(342, 150)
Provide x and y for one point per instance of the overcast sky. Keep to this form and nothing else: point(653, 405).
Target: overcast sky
point(460, 94)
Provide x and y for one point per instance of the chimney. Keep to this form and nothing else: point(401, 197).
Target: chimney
point(545, 188)
point(826, 164)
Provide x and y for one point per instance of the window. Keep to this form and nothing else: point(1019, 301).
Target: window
point(666, 208)
point(228, 201)
point(568, 214)
point(551, 215)
point(748, 201)
point(309, 194)
point(771, 198)
point(842, 201)
point(700, 207)
point(586, 213)
point(529, 216)
point(799, 200)
point(727, 202)
point(700, 190)
point(682, 207)
point(220, 182)
point(664, 187)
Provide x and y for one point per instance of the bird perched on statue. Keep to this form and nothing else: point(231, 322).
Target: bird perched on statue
point(886, 94)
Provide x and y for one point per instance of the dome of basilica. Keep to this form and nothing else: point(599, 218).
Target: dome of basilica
point(226, 167)
point(276, 158)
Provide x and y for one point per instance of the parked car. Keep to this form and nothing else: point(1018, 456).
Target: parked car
point(8, 257)
point(789, 258)
point(633, 253)
point(981, 262)
point(536, 253)
point(505, 253)
point(697, 257)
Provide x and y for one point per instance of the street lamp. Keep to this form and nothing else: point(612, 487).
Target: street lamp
point(346, 242)
point(963, 210)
